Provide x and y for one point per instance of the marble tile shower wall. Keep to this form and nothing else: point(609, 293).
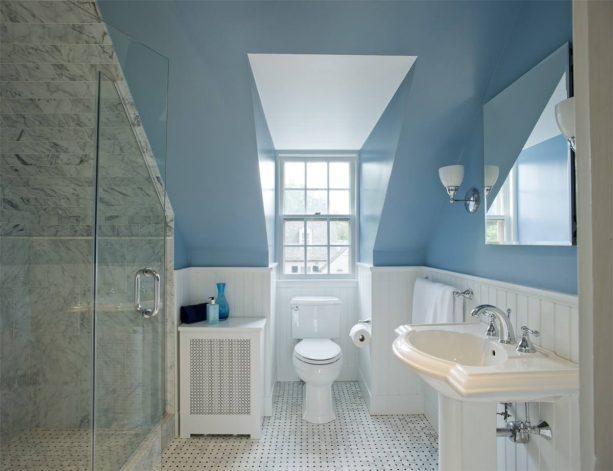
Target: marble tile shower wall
point(50, 54)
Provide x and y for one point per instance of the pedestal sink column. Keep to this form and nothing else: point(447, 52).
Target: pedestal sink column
point(467, 435)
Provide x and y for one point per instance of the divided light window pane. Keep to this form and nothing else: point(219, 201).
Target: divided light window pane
point(339, 175)
point(317, 202)
point(293, 202)
point(340, 202)
point(317, 260)
point(293, 233)
point(317, 232)
point(340, 233)
point(317, 175)
point(293, 175)
point(340, 260)
point(318, 210)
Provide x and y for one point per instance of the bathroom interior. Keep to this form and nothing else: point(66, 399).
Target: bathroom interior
point(286, 235)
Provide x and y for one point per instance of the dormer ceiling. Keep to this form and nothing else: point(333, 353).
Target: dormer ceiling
point(325, 101)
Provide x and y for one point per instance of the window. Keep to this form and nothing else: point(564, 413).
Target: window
point(501, 215)
point(317, 216)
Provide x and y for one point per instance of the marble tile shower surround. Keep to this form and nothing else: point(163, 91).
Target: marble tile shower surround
point(50, 55)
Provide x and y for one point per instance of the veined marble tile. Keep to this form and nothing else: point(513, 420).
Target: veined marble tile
point(31, 146)
point(65, 12)
point(30, 33)
point(25, 230)
point(64, 133)
point(48, 218)
point(51, 72)
point(64, 89)
point(41, 196)
point(48, 106)
point(65, 53)
point(74, 171)
point(49, 160)
point(75, 120)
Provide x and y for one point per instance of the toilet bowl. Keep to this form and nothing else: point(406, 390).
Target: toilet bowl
point(317, 359)
point(318, 363)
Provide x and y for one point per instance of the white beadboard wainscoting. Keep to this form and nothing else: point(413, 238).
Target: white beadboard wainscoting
point(385, 296)
point(347, 292)
point(556, 316)
point(250, 293)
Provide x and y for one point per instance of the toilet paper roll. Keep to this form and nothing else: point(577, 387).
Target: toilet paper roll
point(360, 334)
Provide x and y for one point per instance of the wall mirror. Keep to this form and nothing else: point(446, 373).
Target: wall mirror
point(529, 168)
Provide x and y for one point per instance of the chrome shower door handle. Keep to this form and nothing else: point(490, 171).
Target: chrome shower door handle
point(144, 311)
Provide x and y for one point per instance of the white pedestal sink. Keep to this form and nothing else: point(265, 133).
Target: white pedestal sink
point(472, 374)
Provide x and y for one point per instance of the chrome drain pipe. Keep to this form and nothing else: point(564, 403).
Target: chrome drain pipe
point(520, 431)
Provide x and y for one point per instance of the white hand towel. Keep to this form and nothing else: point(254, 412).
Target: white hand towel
point(435, 303)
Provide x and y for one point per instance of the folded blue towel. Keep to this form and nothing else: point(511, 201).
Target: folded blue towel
point(195, 313)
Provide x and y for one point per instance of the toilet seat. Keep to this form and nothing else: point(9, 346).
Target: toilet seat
point(317, 351)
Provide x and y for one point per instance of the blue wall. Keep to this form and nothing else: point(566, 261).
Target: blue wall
point(458, 240)
point(467, 52)
point(375, 167)
point(212, 175)
point(180, 254)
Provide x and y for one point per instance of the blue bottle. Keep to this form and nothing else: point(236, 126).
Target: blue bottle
point(224, 308)
point(212, 312)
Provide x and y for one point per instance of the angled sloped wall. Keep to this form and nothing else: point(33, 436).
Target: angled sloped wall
point(457, 243)
point(376, 161)
point(267, 158)
point(212, 175)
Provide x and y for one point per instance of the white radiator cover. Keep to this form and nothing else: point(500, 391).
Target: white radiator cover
point(221, 377)
point(220, 383)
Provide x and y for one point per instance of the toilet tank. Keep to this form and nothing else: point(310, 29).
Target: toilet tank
point(315, 317)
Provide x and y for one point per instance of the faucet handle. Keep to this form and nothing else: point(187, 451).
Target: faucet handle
point(525, 330)
point(492, 331)
point(525, 345)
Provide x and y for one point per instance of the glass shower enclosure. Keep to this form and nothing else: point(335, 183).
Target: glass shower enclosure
point(82, 266)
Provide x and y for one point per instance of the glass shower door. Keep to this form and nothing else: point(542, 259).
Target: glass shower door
point(129, 298)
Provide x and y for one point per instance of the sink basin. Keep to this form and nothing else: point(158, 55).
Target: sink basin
point(457, 347)
point(461, 363)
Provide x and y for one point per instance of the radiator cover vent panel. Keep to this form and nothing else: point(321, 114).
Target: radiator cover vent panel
point(220, 376)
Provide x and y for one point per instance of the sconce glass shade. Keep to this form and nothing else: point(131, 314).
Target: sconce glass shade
point(491, 176)
point(451, 175)
point(565, 117)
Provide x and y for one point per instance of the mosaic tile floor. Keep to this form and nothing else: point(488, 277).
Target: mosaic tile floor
point(355, 441)
point(56, 450)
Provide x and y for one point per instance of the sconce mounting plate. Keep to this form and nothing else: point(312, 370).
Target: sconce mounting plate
point(472, 200)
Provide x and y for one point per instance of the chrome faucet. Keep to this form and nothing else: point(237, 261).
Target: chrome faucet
point(505, 328)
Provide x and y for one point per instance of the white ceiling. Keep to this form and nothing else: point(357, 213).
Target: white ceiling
point(325, 102)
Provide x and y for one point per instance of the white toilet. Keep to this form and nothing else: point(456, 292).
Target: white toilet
point(317, 359)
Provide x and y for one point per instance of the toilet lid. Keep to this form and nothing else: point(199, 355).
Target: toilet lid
point(317, 349)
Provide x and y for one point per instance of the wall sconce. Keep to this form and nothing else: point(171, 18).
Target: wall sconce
point(491, 176)
point(565, 117)
point(451, 176)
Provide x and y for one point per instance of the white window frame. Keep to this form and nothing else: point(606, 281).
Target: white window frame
point(508, 193)
point(312, 156)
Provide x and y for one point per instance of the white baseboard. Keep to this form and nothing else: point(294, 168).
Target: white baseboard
point(390, 404)
point(268, 401)
point(366, 394)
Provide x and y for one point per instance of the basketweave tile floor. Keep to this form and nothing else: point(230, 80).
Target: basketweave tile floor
point(70, 450)
point(355, 441)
